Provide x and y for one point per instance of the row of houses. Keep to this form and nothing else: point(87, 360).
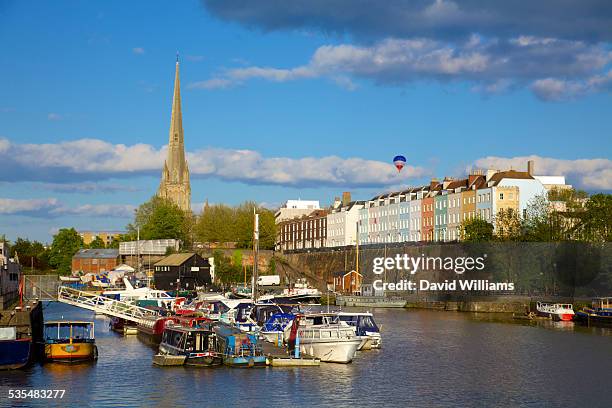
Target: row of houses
point(432, 212)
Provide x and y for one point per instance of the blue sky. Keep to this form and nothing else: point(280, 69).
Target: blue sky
point(284, 101)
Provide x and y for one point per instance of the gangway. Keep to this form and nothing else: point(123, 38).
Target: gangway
point(102, 304)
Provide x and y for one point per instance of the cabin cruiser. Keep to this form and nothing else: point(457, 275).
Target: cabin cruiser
point(131, 294)
point(556, 311)
point(319, 336)
point(197, 345)
point(273, 329)
point(365, 328)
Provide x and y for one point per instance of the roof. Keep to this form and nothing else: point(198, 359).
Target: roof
point(97, 253)
point(175, 259)
point(512, 174)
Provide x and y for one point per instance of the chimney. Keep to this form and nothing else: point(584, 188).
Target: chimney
point(434, 182)
point(346, 198)
point(530, 167)
point(490, 173)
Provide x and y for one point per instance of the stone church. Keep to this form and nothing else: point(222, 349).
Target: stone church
point(174, 184)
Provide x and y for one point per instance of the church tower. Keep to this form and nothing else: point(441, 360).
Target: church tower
point(174, 184)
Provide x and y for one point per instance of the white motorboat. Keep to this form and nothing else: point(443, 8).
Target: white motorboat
point(328, 341)
point(365, 327)
point(556, 311)
point(131, 294)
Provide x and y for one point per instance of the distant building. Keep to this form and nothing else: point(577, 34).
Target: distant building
point(106, 236)
point(148, 247)
point(175, 185)
point(10, 274)
point(190, 269)
point(305, 232)
point(342, 222)
point(295, 208)
point(348, 283)
point(95, 260)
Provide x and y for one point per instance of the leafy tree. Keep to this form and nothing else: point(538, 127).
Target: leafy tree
point(598, 218)
point(507, 225)
point(65, 244)
point(476, 230)
point(97, 243)
point(161, 219)
point(31, 253)
point(216, 224)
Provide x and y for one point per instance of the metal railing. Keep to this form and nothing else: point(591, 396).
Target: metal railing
point(102, 304)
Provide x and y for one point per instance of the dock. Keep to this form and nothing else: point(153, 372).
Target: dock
point(280, 357)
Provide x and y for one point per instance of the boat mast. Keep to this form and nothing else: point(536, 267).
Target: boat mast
point(255, 255)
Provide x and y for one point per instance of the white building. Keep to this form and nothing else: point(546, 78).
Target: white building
point(295, 208)
point(342, 224)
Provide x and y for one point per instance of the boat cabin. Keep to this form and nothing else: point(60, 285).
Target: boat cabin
point(57, 332)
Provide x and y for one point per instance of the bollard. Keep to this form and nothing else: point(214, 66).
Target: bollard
point(297, 346)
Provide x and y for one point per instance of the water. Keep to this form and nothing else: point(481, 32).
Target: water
point(429, 359)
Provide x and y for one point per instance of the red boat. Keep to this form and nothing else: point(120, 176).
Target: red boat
point(152, 328)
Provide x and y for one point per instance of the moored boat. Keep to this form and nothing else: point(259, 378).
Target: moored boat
point(331, 342)
point(365, 327)
point(599, 314)
point(123, 326)
point(238, 348)
point(21, 335)
point(198, 345)
point(70, 341)
point(556, 311)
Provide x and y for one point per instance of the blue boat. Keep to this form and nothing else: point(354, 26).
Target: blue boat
point(599, 314)
point(21, 339)
point(239, 349)
point(273, 329)
point(365, 328)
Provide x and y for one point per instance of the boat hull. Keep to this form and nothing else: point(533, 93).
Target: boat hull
point(15, 354)
point(245, 361)
point(331, 351)
point(71, 353)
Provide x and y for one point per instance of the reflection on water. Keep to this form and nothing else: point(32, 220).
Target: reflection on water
point(428, 359)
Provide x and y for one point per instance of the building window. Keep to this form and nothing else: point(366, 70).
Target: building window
point(501, 196)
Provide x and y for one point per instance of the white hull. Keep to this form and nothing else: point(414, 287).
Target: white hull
point(335, 351)
point(272, 337)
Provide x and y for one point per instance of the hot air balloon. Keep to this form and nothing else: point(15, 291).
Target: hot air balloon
point(399, 162)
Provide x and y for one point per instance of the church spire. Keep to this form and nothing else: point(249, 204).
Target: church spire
point(175, 175)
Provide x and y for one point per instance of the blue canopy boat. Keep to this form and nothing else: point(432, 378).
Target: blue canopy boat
point(599, 314)
point(239, 349)
point(274, 327)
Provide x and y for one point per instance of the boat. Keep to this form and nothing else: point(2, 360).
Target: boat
point(599, 314)
point(238, 348)
point(123, 326)
point(273, 329)
point(152, 328)
point(70, 341)
point(198, 346)
point(70, 278)
point(131, 294)
point(21, 335)
point(318, 336)
point(365, 327)
point(556, 311)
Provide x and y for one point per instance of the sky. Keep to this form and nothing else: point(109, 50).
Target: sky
point(291, 99)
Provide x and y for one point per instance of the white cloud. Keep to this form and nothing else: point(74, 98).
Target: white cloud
point(138, 50)
point(54, 116)
point(93, 159)
point(493, 65)
point(588, 174)
point(52, 207)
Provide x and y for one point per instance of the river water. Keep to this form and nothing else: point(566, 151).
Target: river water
point(428, 359)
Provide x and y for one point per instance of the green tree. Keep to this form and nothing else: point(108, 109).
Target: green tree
point(597, 219)
point(508, 225)
point(65, 244)
point(160, 219)
point(476, 230)
point(216, 224)
point(31, 253)
point(97, 243)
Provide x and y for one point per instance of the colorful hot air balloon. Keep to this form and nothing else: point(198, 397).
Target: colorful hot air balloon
point(399, 162)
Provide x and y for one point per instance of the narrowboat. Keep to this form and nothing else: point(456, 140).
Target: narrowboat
point(152, 328)
point(365, 327)
point(197, 344)
point(556, 311)
point(123, 326)
point(599, 314)
point(238, 348)
point(70, 341)
point(21, 336)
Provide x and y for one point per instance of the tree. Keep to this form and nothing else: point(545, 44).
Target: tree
point(159, 218)
point(65, 244)
point(598, 218)
point(97, 243)
point(508, 225)
point(31, 253)
point(476, 230)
